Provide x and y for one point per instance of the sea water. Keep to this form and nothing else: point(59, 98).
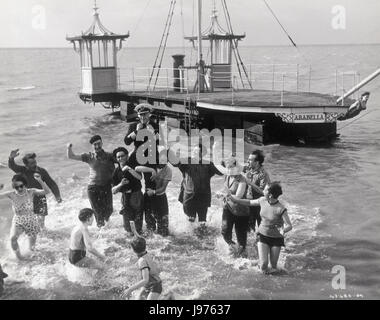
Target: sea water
point(332, 193)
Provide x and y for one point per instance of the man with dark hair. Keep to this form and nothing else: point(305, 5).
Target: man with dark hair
point(102, 166)
point(257, 179)
point(127, 181)
point(30, 168)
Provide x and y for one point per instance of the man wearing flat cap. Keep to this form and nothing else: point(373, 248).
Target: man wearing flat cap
point(102, 166)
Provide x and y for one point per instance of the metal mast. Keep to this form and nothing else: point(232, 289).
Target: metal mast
point(200, 57)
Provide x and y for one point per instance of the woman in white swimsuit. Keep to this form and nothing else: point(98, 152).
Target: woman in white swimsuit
point(24, 219)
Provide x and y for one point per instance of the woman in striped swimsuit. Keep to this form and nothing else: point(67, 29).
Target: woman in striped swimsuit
point(24, 219)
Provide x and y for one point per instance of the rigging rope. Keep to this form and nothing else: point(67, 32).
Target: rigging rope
point(274, 15)
point(287, 34)
point(235, 46)
point(183, 28)
point(138, 22)
point(161, 48)
point(166, 40)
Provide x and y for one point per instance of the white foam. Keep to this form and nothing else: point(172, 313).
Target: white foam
point(21, 88)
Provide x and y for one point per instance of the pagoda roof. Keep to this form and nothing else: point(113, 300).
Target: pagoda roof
point(98, 31)
point(216, 32)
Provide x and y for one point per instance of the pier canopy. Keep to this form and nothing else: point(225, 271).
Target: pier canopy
point(222, 43)
point(98, 48)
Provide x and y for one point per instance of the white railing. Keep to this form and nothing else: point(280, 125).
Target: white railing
point(274, 77)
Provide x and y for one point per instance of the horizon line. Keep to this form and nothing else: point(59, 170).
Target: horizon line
point(189, 47)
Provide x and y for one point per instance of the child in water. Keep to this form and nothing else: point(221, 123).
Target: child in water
point(151, 282)
point(80, 242)
point(273, 215)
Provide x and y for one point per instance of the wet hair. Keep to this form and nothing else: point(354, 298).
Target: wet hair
point(275, 189)
point(95, 138)
point(259, 156)
point(28, 156)
point(19, 178)
point(120, 149)
point(85, 214)
point(138, 244)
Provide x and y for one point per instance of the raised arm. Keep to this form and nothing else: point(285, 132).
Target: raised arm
point(52, 185)
point(131, 134)
point(45, 188)
point(4, 195)
point(71, 154)
point(89, 247)
point(288, 223)
point(221, 169)
point(12, 164)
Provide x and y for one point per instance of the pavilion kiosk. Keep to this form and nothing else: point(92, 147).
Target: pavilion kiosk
point(98, 48)
point(221, 45)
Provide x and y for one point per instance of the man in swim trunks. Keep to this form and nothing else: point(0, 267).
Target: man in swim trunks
point(28, 170)
point(150, 273)
point(80, 242)
point(102, 166)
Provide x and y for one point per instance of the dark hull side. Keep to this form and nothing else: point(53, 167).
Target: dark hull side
point(269, 129)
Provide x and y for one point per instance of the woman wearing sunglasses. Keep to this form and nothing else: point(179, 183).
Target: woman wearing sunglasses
point(24, 219)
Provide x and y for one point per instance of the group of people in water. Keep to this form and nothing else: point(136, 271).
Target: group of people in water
point(249, 204)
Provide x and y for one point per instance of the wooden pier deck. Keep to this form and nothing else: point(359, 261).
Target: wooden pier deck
point(250, 99)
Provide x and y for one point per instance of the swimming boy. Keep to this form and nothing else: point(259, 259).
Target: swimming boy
point(273, 215)
point(80, 242)
point(151, 282)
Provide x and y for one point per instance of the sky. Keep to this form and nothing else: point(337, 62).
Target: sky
point(45, 23)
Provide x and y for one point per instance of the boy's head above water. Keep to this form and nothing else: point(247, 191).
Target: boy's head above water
point(138, 245)
point(86, 215)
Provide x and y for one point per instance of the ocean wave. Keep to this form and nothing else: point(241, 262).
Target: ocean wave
point(26, 130)
point(192, 262)
point(21, 88)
